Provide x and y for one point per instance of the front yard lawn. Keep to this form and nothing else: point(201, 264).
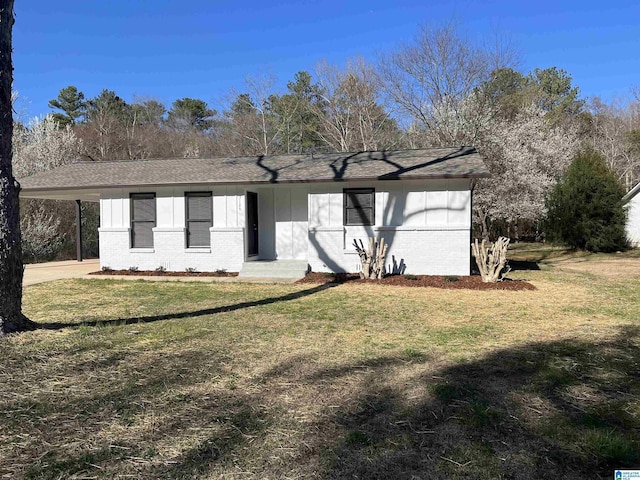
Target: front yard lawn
point(229, 380)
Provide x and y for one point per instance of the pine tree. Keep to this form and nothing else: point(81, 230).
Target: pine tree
point(72, 103)
point(585, 209)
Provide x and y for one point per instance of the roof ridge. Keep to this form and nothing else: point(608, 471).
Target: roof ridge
point(253, 157)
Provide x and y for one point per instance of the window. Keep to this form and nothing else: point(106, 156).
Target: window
point(199, 219)
point(359, 206)
point(143, 219)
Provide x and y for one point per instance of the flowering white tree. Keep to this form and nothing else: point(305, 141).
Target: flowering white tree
point(463, 122)
point(526, 155)
point(41, 146)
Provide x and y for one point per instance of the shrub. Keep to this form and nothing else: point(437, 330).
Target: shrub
point(133, 269)
point(191, 270)
point(584, 209)
point(161, 269)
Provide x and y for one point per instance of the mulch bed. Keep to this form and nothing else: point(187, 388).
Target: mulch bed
point(473, 282)
point(153, 273)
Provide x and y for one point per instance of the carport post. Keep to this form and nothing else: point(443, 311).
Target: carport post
point(78, 231)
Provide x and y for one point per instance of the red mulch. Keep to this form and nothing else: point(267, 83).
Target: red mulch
point(473, 282)
point(153, 273)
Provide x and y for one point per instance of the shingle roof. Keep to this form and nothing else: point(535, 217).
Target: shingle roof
point(459, 162)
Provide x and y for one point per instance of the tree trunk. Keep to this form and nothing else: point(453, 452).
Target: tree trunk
point(373, 259)
point(11, 269)
point(492, 260)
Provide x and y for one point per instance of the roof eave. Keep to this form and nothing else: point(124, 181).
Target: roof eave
point(28, 192)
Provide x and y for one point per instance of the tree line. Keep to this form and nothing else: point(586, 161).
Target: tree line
point(440, 89)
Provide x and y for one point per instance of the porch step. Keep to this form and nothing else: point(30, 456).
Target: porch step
point(275, 268)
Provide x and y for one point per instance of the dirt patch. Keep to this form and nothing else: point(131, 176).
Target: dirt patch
point(436, 281)
point(153, 273)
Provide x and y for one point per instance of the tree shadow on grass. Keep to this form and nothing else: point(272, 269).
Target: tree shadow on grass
point(550, 410)
point(565, 409)
point(190, 314)
point(167, 405)
point(237, 420)
point(522, 265)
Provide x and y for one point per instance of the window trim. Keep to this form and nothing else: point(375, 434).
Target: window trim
point(187, 221)
point(346, 192)
point(132, 221)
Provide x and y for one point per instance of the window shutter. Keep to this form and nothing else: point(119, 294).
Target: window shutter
point(199, 207)
point(359, 206)
point(199, 218)
point(356, 216)
point(199, 235)
point(143, 219)
point(359, 200)
point(142, 235)
point(144, 208)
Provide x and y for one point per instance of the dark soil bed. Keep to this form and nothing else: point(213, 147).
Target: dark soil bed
point(473, 282)
point(153, 273)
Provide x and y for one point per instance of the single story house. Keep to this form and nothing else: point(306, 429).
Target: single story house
point(270, 214)
point(632, 203)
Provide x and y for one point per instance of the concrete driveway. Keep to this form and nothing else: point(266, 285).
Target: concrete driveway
point(46, 272)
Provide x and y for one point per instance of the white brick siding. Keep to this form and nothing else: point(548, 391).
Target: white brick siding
point(419, 250)
point(426, 224)
point(226, 252)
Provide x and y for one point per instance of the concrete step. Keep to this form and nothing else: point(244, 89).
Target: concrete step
point(275, 268)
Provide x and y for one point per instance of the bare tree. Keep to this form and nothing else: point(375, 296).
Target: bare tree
point(351, 114)
point(136, 131)
point(613, 135)
point(434, 79)
point(11, 270)
point(260, 89)
point(252, 128)
point(104, 130)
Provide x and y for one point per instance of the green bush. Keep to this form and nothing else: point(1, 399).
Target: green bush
point(584, 209)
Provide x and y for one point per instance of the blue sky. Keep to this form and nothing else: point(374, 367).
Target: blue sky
point(168, 49)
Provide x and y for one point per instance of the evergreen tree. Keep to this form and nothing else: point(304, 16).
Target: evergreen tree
point(585, 207)
point(555, 93)
point(307, 96)
point(107, 105)
point(505, 90)
point(189, 114)
point(72, 103)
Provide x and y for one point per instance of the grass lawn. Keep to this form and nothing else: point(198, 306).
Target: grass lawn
point(228, 380)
